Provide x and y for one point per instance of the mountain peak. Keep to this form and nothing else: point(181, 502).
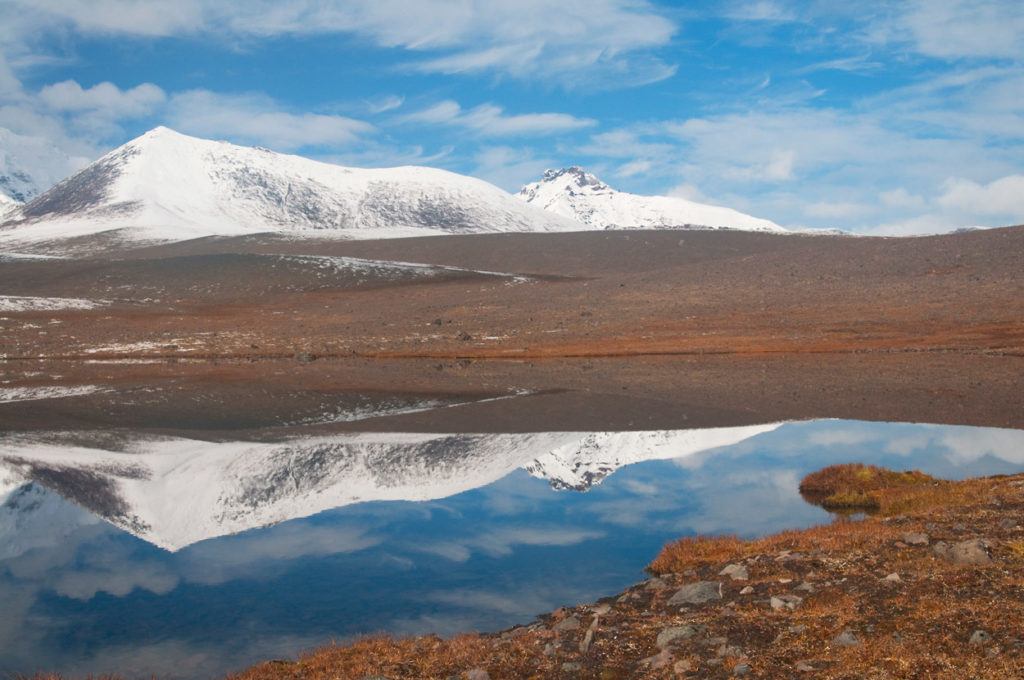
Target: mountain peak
point(575, 193)
point(574, 174)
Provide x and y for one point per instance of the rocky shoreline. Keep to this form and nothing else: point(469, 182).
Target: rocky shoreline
point(932, 592)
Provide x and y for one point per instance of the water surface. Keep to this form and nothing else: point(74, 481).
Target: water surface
point(397, 532)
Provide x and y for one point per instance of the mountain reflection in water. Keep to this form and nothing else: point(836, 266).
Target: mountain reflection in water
point(399, 532)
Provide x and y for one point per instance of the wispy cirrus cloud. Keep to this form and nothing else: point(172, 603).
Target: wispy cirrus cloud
point(490, 120)
point(255, 118)
point(565, 43)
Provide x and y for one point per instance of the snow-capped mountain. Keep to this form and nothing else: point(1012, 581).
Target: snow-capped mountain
point(168, 186)
point(578, 195)
point(173, 492)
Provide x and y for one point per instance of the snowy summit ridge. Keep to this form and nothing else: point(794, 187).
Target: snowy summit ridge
point(578, 195)
point(168, 186)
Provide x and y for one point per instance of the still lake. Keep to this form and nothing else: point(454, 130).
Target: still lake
point(168, 554)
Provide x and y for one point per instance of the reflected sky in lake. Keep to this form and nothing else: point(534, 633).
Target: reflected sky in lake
point(82, 596)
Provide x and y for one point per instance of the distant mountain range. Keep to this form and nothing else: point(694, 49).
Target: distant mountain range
point(173, 492)
point(165, 186)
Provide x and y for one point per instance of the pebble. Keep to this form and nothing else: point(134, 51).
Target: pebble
point(737, 572)
point(846, 639)
point(980, 637)
point(893, 578)
point(790, 602)
point(571, 667)
point(1008, 523)
point(747, 590)
point(697, 593)
point(571, 623)
point(477, 674)
point(588, 640)
point(655, 584)
point(674, 633)
point(804, 667)
point(806, 587)
point(972, 552)
point(680, 667)
point(659, 660)
point(741, 669)
point(731, 651)
point(916, 539)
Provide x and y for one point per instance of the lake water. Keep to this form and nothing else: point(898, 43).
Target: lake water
point(155, 551)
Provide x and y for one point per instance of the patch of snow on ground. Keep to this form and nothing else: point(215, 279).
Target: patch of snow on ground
point(12, 394)
point(17, 303)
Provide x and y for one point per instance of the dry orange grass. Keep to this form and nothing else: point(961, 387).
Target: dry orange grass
point(419, 657)
point(858, 487)
point(841, 535)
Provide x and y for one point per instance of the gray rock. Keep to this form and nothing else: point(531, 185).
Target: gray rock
point(980, 637)
point(790, 602)
point(697, 593)
point(570, 623)
point(893, 578)
point(571, 667)
point(741, 669)
point(659, 660)
point(587, 640)
point(1008, 523)
point(798, 628)
point(477, 674)
point(959, 526)
point(846, 639)
point(972, 552)
point(747, 590)
point(806, 587)
point(731, 651)
point(654, 584)
point(916, 539)
point(673, 634)
point(549, 649)
point(737, 572)
point(804, 667)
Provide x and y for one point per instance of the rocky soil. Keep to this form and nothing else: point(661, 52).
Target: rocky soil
point(526, 296)
point(935, 592)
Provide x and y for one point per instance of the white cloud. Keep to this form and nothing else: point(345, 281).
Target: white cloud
point(508, 167)
point(760, 10)
point(490, 120)
point(104, 97)
point(831, 210)
point(1002, 197)
point(901, 198)
point(257, 119)
point(556, 42)
point(965, 28)
point(387, 103)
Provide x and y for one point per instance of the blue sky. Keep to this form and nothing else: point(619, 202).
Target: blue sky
point(880, 117)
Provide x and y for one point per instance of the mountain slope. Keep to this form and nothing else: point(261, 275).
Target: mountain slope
point(578, 195)
point(168, 186)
